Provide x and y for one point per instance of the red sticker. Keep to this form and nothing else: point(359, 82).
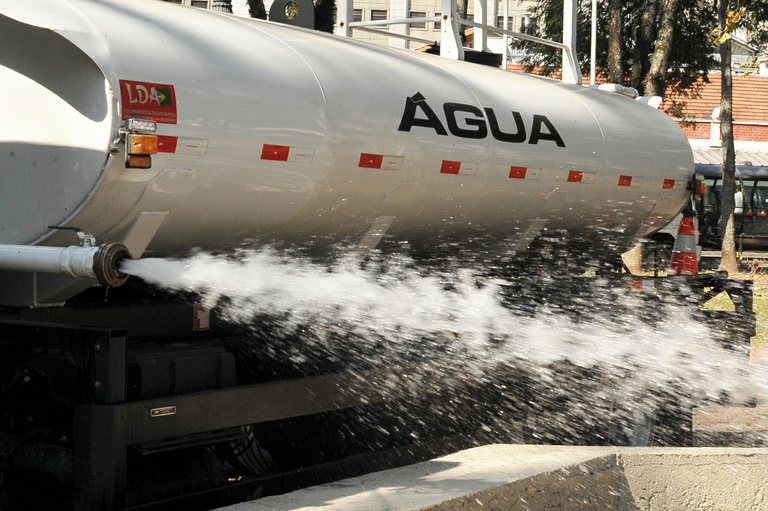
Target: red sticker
point(450, 167)
point(144, 100)
point(275, 152)
point(517, 172)
point(625, 180)
point(167, 144)
point(371, 161)
point(575, 176)
point(669, 184)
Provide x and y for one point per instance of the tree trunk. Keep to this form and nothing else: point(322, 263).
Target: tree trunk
point(461, 12)
point(656, 83)
point(615, 67)
point(728, 261)
point(644, 37)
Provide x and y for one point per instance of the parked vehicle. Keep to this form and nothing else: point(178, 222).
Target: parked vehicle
point(751, 211)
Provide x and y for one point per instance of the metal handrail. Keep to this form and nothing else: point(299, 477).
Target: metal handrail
point(450, 42)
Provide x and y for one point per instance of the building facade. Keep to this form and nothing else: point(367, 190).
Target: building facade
point(372, 10)
point(698, 114)
point(420, 33)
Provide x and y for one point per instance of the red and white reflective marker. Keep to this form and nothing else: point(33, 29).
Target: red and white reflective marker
point(380, 161)
point(458, 167)
point(579, 176)
point(274, 152)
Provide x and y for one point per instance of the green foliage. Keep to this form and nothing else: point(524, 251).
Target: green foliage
point(325, 15)
point(547, 22)
point(755, 21)
point(691, 52)
point(256, 9)
point(732, 21)
point(752, 16)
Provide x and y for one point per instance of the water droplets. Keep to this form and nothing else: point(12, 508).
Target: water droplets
point(592, 347)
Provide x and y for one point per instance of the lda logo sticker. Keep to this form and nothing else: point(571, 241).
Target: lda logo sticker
point(154, 101)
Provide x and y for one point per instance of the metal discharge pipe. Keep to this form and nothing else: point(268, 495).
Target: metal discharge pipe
point(99, 263)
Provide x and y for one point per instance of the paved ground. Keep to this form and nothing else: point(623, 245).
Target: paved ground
point(730, 426)
point(734, 426)
point(730, 418)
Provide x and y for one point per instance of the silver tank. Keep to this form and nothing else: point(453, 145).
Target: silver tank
point(273, 134)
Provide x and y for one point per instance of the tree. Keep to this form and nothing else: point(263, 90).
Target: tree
point(256, 9)
point(461, 12)
point(728, 261)
point(646, 28)
point(325, 13)
point(750, 14)
point(615, 64)
point(682, 54)
point(656, 82)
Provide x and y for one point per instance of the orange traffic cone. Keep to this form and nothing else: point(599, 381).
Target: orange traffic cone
point(685, 257)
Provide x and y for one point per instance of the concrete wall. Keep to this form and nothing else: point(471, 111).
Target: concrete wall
point(636, 480)
point(698, 478)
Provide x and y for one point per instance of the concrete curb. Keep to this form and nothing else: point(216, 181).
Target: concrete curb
point(533, 478)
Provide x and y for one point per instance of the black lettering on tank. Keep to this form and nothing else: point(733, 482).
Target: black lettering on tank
point(470, 121)
point(430, 120)
point(551, 134)
point(478, 121)
point(518, 137)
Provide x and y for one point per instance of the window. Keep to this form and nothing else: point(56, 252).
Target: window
point(418, 14)
point(202, 4)
point(759, 202)
point(510, 22)
point(378, 14)
point(357, 15)
point(437, 23)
